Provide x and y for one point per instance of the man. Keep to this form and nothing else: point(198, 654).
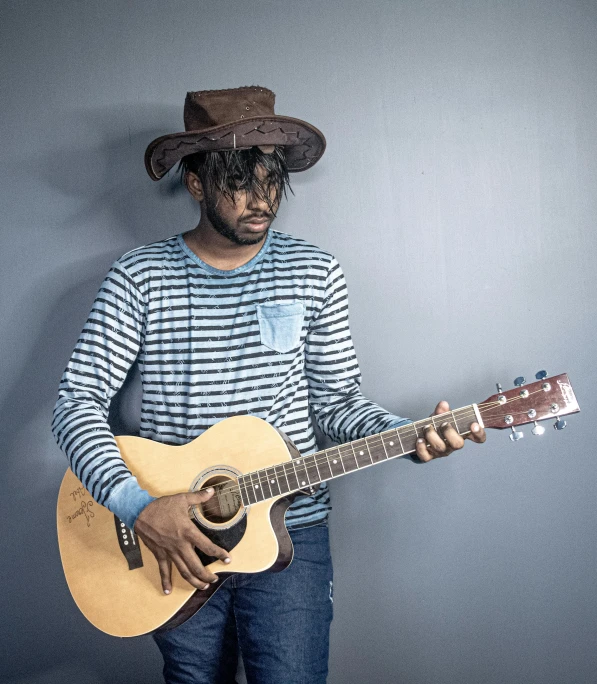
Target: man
point(228, 318)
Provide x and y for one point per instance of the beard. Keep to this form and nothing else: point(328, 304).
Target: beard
point(222, 227)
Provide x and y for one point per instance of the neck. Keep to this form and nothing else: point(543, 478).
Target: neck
point(218, 251)
point(303, 472)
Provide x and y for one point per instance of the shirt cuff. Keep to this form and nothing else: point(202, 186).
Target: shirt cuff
point(128, 500)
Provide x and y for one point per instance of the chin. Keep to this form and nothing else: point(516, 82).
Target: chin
point(251, 237)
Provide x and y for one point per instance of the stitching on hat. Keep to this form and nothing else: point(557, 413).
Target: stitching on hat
point(232, 90)
point(306, 142)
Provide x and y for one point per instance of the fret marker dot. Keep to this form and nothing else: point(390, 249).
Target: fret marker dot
point(273, 481)
point(256, 486)
point(361, 453)
point(391, 443)
point(334, 461)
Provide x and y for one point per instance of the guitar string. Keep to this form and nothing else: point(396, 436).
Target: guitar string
point(373, 441)
point(424, 422)
point(405, 431)
point(343, 450)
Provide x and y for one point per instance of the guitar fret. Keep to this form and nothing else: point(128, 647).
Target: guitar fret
point(274, 484)
point(303, 479)
point(256, 488)
point(267, 482)
point(310, 463)
point(243, 495)
point(314, 459)
point(377, 448)
point(337, 462)
point(368, 450)
point(288, 487)
point(409, 441)
point(341, 461)
point(251, 497)
point(357, 453)
point(397, 430)
point(349, 459)
point(326, 467)
point(291, 476)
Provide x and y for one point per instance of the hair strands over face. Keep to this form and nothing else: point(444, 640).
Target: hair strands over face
point(232, 171)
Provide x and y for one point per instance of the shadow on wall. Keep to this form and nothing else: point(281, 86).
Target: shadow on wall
point(108, 184)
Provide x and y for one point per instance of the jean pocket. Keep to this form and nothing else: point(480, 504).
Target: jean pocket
point(280, 325)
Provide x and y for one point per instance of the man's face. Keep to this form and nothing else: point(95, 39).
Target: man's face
point(244, 221)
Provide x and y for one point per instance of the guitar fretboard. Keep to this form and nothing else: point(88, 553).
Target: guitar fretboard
point(306, 471)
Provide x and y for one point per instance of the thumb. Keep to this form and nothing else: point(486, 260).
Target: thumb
point(442, 407)
point(199, 496)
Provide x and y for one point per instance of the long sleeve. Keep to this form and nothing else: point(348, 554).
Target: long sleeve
point(339, 407)
point(103, 355)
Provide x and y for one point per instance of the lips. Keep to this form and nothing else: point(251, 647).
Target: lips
point(257, 222)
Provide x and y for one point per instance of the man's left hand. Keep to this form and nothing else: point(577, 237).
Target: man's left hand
point(446, 439)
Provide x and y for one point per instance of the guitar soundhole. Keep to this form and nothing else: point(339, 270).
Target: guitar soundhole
point(225, 503)
point(222, 517)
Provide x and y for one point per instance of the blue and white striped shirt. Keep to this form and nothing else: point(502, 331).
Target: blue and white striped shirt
point(269, 339)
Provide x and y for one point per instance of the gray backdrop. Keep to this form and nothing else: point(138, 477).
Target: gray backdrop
point(459, 193)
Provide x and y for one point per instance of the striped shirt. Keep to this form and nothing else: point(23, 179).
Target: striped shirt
point(269, 339)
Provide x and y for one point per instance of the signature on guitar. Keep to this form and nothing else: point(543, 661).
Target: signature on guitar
point(83, 510)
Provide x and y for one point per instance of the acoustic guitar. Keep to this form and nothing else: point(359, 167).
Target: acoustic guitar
point(256, 472)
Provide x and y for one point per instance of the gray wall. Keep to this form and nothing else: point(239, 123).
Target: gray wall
point(459, 193)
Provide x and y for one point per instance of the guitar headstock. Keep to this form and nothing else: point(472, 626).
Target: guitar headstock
point(547, 398)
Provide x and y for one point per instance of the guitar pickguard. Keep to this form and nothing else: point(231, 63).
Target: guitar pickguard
point(226, 537)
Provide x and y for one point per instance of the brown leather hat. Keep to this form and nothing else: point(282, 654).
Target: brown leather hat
point(237, 118)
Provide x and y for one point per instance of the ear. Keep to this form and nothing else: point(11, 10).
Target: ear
point(194, 186)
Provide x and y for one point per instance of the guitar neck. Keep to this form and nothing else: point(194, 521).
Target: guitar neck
point(307, 471)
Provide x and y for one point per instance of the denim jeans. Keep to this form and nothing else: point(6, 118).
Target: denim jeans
point(279, 621)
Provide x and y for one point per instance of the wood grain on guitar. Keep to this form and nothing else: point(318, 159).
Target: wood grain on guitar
point(256, 472)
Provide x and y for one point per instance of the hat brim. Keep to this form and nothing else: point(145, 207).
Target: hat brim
point(304, 144)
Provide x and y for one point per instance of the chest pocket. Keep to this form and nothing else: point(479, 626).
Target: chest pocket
point(280, 325)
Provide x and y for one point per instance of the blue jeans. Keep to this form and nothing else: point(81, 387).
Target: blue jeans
point(279, 621)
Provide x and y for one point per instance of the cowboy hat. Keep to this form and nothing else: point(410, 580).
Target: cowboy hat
point(237, 118)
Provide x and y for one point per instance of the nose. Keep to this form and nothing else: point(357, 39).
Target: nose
point(258, 204)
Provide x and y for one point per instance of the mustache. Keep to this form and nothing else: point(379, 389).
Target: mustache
point(258, 216)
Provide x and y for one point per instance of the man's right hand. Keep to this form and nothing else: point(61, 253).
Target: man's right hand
point(167, 531)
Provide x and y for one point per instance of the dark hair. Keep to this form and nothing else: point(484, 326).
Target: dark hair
point(231, 171)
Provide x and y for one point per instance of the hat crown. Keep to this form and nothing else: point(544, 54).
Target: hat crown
point(208, 108)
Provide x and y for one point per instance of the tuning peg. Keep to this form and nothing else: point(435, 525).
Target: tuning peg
point(541, 375)
point(516, 435)
point(559, 424)
point(519, 382)
point(499, 387)
point(538, 429)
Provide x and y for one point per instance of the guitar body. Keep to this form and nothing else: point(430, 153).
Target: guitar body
point(117, 588)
